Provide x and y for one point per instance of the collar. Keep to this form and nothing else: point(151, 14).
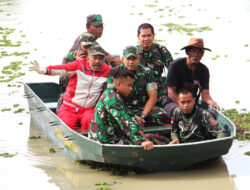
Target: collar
point(190, 114)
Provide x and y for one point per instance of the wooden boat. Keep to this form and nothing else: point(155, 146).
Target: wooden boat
point(42, 100)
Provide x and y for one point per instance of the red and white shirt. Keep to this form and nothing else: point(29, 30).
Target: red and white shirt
point(85, 86)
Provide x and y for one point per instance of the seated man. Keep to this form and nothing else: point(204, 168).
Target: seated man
point(111, 122)
point(143, 97)
point(191, 123)
point(190, 73)
point(81, 95)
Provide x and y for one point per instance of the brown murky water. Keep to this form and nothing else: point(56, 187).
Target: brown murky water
point(47, 30)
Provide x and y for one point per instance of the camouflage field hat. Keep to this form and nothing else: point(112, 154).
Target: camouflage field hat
point(130, 51)
point(95, 19)
point(87, 39)
point(96, 50)
point(196, 42)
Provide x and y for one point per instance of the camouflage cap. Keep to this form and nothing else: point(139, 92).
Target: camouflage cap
point(87, 39)
point(95, 19)
point(96, 50)
point(130, 51)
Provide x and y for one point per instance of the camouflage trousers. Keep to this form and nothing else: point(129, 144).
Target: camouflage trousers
point(157, 116)
point(157, 139)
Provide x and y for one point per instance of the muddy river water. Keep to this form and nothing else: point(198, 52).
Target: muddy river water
point(46, 30)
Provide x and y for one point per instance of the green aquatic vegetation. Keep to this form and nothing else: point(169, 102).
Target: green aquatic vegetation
point(7, 155)
point(15, 105)
point(20, 110)
point(248, 60)
point(52, 150)
point(160, 9)
point(185, 28)
point(140, 14)
point(160, 29)
point(247, 153)
point(151, 6)
point(246, 45)
point(8, 14)
point(241, 121)
point(225, 55)
point(101, 183)
point(34, 137)
point(103, 188)
point(5, 109)
point(181, 17)
point(217, 17)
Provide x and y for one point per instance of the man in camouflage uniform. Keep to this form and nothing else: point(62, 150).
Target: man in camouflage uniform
point(111, 122)
point(191, 123)
point(94, 26)
point(143, 97)
point(153, 55)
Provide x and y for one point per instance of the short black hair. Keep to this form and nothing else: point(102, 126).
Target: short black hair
point(123, 73)
point(185, 90)
point(145, 26)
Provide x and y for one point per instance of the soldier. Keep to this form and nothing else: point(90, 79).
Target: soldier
point(111, 122)
point(94, 26)
point(81, 95)
point(189, 72)
point(143, 97)
point(191, 123)
point(153, 55)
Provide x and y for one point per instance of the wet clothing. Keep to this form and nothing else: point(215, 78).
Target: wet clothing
point(85, 86)
point(179, 75)
point(144, 81)
point(112, 122)
point(156, 59)
point(197, 126)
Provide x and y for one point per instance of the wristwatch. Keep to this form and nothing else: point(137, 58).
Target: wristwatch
point(143, 116)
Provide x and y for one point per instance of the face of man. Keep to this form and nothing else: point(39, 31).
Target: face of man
point(130, 62)
point(85, 48)
point(186, 102)
point(195, 55)
point(96, 62)
point(124, 86)
point(95, 30)
point(146, 38)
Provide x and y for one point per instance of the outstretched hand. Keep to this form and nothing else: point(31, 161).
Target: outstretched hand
point(35, 67)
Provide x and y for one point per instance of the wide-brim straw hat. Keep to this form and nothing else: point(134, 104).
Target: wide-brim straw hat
point(196, 42)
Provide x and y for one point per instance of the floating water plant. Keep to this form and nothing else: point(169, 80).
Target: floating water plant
point(34, 137)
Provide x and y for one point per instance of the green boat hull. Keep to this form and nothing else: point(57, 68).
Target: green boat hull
point(42, 99)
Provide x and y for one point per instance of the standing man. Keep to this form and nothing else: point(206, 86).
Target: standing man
point(142, 99)
point(87, 80)
point(191, 123)
point(153, 55)
point(112, 122)
point(189, 72)
point(94, 26)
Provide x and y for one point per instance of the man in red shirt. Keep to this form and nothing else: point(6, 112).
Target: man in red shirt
point(88, 78)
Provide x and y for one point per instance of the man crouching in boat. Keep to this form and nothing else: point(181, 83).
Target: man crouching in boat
point(88, 78)
point(111, 122)
point(143, 97)
point(191, 123)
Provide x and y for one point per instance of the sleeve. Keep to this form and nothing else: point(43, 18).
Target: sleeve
point(174, 130)
point(166, 55)
point(205, 79)
point(212, 126)
point(71, 52)
point(172, 76)
point(151, 81)
point(129, 128)
point(62, 70)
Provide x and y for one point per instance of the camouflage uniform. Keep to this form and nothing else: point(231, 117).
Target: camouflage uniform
point(156, 59)
point(112, 123)
point(198, 126)
point(94, 19)
point(144, 81)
